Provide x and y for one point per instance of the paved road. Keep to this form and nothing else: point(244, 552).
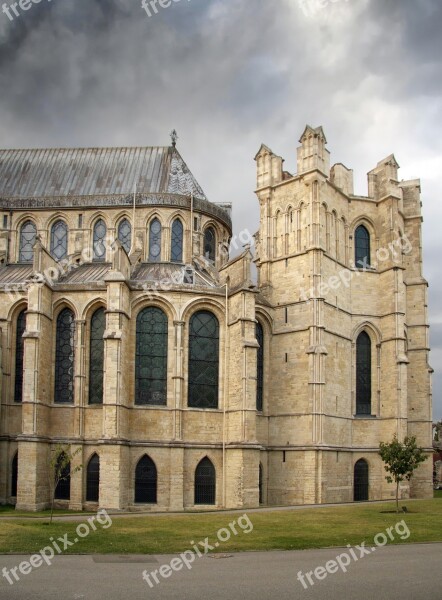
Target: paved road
point(410, 572)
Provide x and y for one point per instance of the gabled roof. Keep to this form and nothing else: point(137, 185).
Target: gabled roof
point(263, 150)
point(391, 159)
point(315, 131)
point(45, 173)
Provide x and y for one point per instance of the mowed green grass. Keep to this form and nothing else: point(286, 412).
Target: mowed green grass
point(284, 530)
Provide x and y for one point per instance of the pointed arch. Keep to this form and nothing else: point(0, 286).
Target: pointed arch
point(176, 249)
point(64, 358)
point(96, 356)
point(210, 244)
point(155, 231)
point(362, 247)
point(259, 332)
point(99, 240)
point(205, 482)
point(59, 240)
point(125, 234)
point(363, 374)
point(93, 479)
point(19, 356)
point(203, 371)
point(361, 481)
point(28, 237)
point(146, 481)
point(14, 475)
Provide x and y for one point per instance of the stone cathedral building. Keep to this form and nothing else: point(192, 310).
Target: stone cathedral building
point(129, 335)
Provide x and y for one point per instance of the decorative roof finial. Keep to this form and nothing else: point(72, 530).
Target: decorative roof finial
point(174, 137)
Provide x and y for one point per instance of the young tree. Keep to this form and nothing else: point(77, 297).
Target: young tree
point(60, 468)
point(401, 460)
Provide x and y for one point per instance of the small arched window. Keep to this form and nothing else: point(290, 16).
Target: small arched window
point(100, 231)
point(59, 240)
point(205, 482)
point(19, 353)
point(151, 357)
point(362, 247)
point(155, 241)
point(93, 479)
point(210, 244)
point(203, 360)
point(259, 367)
point(125, 234)
point(363, 374)
point(146, 481)
point(64, 358)
point(177, 241)
point(63, 489)
point(28, 237)
point(361, 481)
point(96, 361)
point(14, 475)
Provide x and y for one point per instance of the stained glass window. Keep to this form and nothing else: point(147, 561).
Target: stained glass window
point(28, 236)
point(64, 358)
point(93, 479)
point(205, 482)
point(146, 481)
point(96, 363)
point(259, 367)
point(362, 247)
point(14, 475)
point(59, 240)
point(203, 360)
point(210, 244)
point(155, 241)
point(100, 231)
point(19, 351)
point(63, 489)
point(151, 358)
point(177, 241)
point(363, 374)
point(125, 234)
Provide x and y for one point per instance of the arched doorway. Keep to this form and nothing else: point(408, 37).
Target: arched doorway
point(361, 481)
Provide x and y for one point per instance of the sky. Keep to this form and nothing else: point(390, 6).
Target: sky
point(229, 75)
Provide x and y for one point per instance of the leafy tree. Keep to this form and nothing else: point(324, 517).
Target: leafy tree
point(61, 459)
point(401, 460)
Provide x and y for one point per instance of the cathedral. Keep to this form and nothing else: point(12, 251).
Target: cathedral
point(180, 378)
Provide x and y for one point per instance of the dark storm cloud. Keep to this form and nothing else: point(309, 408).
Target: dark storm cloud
point(230, 74)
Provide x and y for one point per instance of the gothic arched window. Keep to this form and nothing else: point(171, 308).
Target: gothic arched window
point(19, 352)
point(155, 241)
point(363, 374)
point(93, 479)
point(125, 234)
point(259, 366)
point(14, 475)
point(96, 354)
point(203, 360)
point(210, 244)
point(59, 240)
point(362, 247)
point(146, 481)
point(100, 231)
point(64, 358)
point(177, 241)
point(28, 236)
point(151, 358)
point(63, 489)
point(205, 482)
point(361, 481)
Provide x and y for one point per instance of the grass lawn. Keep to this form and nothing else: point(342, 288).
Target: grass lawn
point(286, 530)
